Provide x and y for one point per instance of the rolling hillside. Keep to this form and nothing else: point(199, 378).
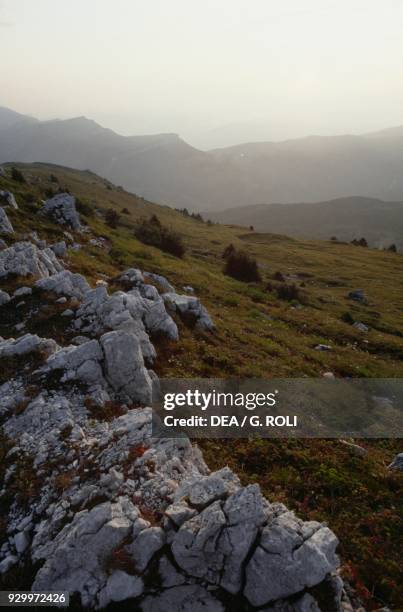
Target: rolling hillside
point(381, 223)
point(258, 334)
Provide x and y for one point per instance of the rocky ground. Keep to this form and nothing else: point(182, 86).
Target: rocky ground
point(90, 502)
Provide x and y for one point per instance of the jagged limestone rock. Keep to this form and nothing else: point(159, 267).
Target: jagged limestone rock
point(7, 199)
point(397, 463)
point(62, 208)
point(4, 297)
point(124, 366)
point(161, 281)
point(59, 248)
point(291, 556)
point(5, 223)
point(25, 259)
point(65, 283)
point(190, 309)
point(29, 343)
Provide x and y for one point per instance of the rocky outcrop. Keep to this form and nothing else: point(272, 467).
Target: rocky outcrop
point(60, 248)
point(140, 311)
point(5, 223)
point(397, 463)
point(161, 281)
point(62, 209)
point(7, 199)
point(4, 297)
point(65, 283)
point(29, 343)
point(26, 259)
point(111, 512)
point(189, 309)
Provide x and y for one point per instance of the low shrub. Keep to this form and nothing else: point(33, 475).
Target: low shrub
point(151, 231)
point(279, 276)
point(347, 318)
point(112, 218)
point(242, 267)
point(229, 250)
point(288, 292)
point(17, 175)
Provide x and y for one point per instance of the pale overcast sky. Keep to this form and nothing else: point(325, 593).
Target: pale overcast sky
point(245, 69)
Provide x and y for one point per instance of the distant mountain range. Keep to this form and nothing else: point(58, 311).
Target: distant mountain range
point(379, 222)
point(165, 169)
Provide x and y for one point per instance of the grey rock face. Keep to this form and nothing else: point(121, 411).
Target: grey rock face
point(79, 363)
point(2, 171)
point(397, 463)
point(132, 312)
point(69, 566)
point(120, 586)
point(25, 259)
point(291, 556)
point(5, 223)
point(133, 276)
point(357, 295)
point(161, 281)
point(124, 366)
point(65, 283)
point(22, 291)
point(4, 297)
point(8, 199)
point(59, 249)
point(62, 208)
point(190, 309)
point(213, 544)
point(146, 544)
point(28, 343)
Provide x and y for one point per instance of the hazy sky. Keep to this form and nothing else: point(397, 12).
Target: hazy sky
point(251, 68)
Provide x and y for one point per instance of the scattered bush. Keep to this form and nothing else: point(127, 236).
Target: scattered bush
point(361, 242)
point(53, 179)
point(279, 276)
point(242, 267)
point(186, 213)
point(347, 318)
point(288, 292)
point(392, 248)
point(151, 231)
point(112, 218)
point(229, 250)
point(17, 175)
point(125, 211)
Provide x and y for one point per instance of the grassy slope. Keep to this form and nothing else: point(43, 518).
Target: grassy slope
point(261, 336)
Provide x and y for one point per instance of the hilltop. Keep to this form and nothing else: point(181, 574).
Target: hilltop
point(256, 334)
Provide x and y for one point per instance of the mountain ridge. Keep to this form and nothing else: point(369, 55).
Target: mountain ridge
point(166, 169)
